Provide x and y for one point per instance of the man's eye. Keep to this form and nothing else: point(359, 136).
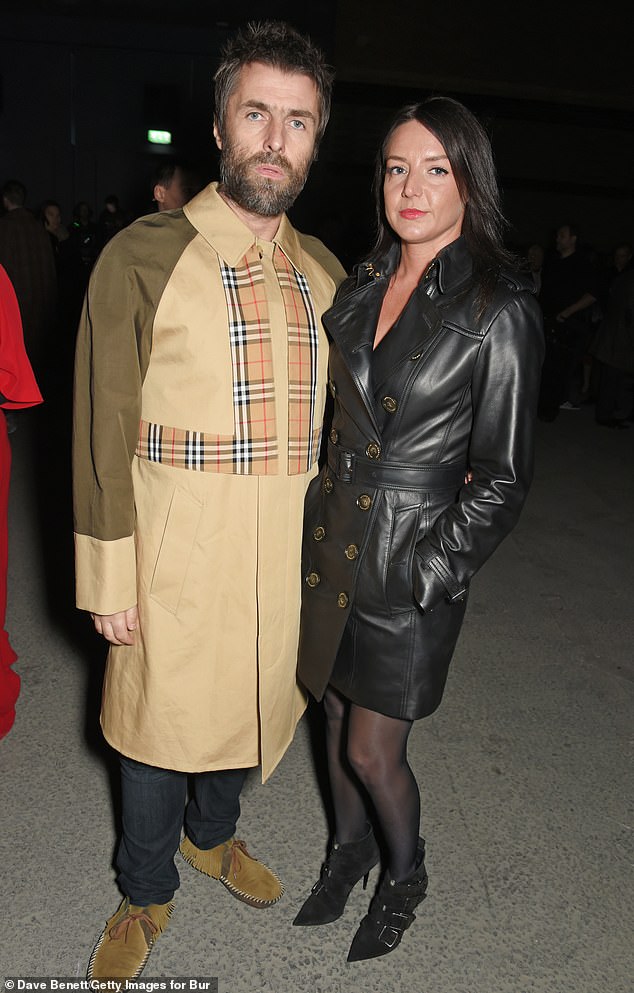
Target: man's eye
point(254, 115)
point(298, 125)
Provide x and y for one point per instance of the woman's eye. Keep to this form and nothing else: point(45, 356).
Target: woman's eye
point(396, 170)
point(439, 171)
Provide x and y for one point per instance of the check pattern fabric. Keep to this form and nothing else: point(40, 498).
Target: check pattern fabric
point(253, 447)
point(303, 338)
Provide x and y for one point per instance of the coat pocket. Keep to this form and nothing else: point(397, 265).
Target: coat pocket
point(398, 580)
point(175, 550)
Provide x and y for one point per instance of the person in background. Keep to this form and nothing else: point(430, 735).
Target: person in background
point(51, 218)
point(27, 257)
point(535, 259)
point(200, 388)
point(569, 292)
point(435, 360)
point(174, 184)
point(112, 219)
point(18, 389)
point(613, 350)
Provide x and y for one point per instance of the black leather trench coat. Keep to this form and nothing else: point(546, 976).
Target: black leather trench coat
point(392, 533)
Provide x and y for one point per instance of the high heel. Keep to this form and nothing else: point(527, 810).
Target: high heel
point(344, 867)
point(390, 913)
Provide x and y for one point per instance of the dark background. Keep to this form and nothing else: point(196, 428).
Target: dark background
point(81, 81)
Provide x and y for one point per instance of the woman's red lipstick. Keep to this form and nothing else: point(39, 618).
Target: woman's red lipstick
point(411, 214)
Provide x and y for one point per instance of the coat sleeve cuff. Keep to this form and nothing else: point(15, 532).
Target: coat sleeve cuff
point(434, 582)
point(105, 574)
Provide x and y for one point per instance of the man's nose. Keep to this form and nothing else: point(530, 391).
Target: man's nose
point(274, 137)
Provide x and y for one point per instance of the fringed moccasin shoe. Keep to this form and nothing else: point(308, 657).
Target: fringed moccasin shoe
point(244, 876)
point(125, 943)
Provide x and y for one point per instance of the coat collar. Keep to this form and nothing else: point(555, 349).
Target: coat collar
point(449, 271)
point(216, 222)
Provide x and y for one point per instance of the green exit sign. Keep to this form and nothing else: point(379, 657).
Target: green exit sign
point(159, 137)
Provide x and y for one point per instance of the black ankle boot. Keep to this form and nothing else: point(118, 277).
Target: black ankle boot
point(390, 913)
point(345, 866)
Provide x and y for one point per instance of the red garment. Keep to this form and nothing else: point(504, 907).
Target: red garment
point(17, 389)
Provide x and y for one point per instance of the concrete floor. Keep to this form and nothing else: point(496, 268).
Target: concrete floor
point(525, 771)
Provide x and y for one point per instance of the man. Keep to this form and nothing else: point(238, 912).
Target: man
point(27, 256)
point(613, 350)
point(200, 385)
point(568, 294)
point(173, 185)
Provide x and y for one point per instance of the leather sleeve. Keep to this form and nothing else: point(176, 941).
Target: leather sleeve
point(504, 392)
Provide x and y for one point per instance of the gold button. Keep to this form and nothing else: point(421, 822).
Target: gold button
point(334, 437)
point(319, 533)
point(332, 387)
point(373, 451)
point(389, 404)
point(342, 600)
point(351, 552)
point(364, 502)
point(328, 484)
point(313, 579)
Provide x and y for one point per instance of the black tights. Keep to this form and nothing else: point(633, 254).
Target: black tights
point(367, 755)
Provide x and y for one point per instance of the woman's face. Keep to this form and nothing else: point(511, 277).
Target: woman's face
point(422, 201)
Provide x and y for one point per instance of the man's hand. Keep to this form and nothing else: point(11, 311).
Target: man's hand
point(118, 628)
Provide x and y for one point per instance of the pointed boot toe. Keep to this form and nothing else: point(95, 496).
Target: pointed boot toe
point(390, 914)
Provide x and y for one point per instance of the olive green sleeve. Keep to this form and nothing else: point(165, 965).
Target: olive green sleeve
point(112, 354)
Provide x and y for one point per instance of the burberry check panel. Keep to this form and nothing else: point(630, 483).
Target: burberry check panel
point(303, 338)
point(253, 448)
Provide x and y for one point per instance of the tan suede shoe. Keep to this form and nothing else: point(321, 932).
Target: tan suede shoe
point(246, 878)
point(125, 943)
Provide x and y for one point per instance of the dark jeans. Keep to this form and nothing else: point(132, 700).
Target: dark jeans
point(154, 806)
point(562, 371)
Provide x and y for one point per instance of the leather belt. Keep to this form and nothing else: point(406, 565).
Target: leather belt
point(348, 467)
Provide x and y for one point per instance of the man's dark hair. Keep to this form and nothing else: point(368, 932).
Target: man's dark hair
point(14, 192)
point(273, 43)
point(469, 152)
point(163, 173)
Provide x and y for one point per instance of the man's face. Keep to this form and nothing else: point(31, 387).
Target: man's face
point(565, 241)
point(174, 194)
point(268, 139)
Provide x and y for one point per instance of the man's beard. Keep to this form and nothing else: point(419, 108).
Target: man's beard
point(257, 194)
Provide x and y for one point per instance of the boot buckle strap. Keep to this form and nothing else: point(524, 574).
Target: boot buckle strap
point(389, 936)
point(394, 921)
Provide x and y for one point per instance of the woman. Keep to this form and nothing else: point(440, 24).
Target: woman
point(434, 370)
point(18, 389)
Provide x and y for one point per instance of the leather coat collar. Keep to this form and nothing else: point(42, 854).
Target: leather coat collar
point(450, 271)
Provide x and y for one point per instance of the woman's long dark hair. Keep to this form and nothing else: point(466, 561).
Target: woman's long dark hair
point(469, 151)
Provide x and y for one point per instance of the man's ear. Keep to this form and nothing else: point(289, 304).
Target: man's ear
point(217, 135)
point(159, 193)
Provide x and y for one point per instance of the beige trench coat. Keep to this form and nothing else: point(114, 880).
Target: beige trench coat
point(211, 557)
